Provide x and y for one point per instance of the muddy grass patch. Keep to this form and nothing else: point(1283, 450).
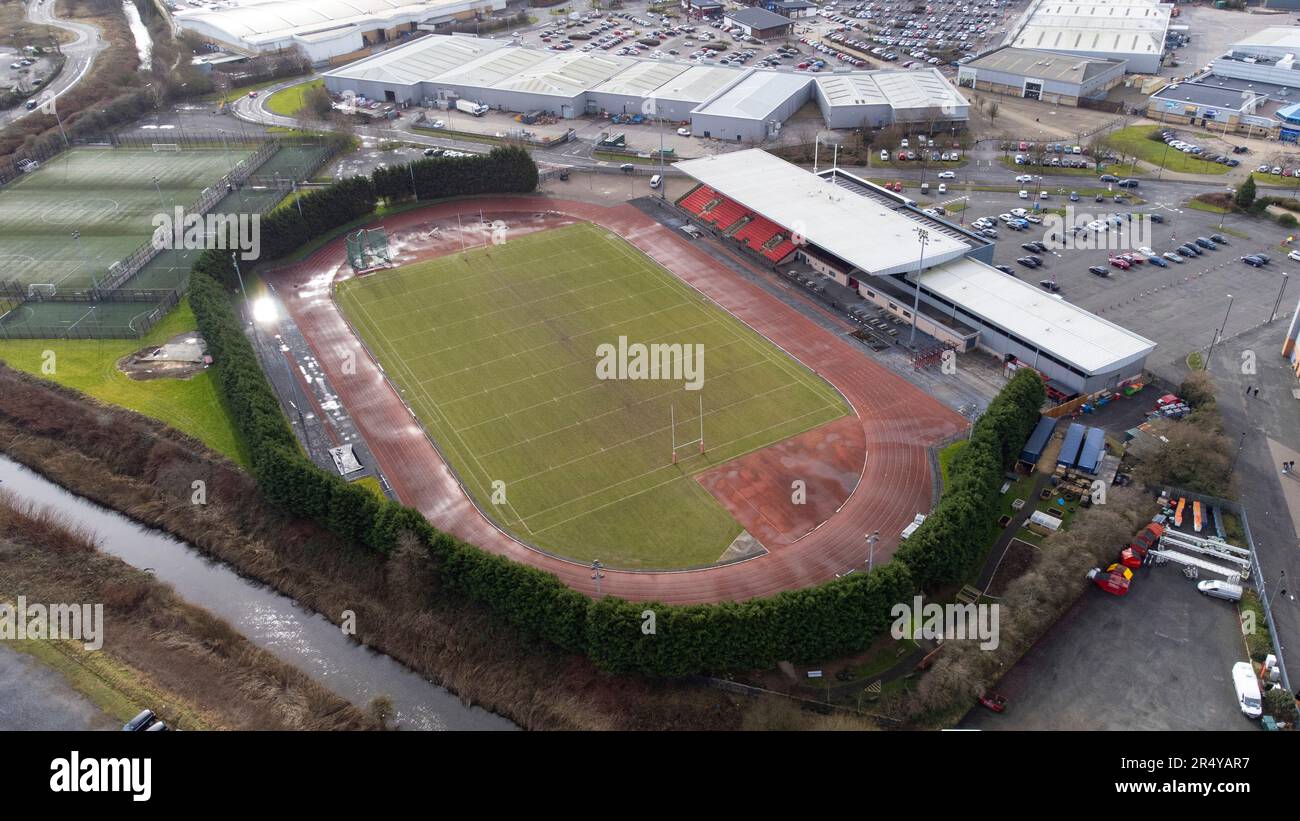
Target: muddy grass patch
point(180, 357)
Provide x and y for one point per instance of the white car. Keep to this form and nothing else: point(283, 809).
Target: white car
point(1005, 217)
point(1294, 255)
point(683, 132)
point(947, 175)
point(1018, 212)
point(1025, 178)
point(1024, 195)
point(1035, 220)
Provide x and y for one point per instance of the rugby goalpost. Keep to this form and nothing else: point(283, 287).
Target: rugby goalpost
point(672, 425)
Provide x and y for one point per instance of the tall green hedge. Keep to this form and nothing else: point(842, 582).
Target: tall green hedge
point(832, 619)
point(946, 548)
point(504, 170)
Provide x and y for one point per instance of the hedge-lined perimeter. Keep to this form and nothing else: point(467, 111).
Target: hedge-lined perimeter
point(832, 619)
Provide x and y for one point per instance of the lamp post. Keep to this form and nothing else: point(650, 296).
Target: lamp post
point(597, 575)
point(1278, 303)
point(157, 186)
point(1240, 444)
point(872, 538)
point(1218, 333)
point(923, 236)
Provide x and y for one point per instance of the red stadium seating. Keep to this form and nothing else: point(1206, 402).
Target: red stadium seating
point(757, 232)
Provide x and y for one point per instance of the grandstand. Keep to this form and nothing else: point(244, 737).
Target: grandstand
point(869, 240)
point(754, 231)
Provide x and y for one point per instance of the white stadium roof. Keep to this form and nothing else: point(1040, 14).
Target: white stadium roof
point(860, 230)
point(879, 237)
point(1060, 328)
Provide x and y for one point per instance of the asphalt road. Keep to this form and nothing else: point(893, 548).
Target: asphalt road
point(1159, 658)
point(81, 54)
point(38, 698)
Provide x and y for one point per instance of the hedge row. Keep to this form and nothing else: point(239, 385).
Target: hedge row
point(506, 170)
point(832, 619)
point(953, 538)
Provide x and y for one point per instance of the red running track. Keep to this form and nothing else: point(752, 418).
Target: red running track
point(899, 421)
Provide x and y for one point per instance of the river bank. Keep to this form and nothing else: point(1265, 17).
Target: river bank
point(146, 471)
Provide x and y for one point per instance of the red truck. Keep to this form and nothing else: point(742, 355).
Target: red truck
point(1114, 580)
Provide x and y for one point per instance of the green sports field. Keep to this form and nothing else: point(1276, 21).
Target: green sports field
point(495, 350)
point(108, 195)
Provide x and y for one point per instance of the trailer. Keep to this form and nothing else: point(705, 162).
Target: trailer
point(1038, 441)
point(1070, 448)
point(471, 107)
point(1196, 563)
point(1092, 451)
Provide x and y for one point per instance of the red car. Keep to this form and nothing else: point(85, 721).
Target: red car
point(902, 155)
point(1120, 263)
point(994, 702)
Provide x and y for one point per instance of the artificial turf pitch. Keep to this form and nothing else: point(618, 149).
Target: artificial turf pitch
point(106, 195)
point(495, 350)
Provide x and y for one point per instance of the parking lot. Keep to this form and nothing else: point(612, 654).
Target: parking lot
point(942, 34)
point(1179, 304)
point(1159, 658)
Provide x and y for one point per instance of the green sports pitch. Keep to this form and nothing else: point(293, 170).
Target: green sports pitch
point(496, 349)
point(109, 196)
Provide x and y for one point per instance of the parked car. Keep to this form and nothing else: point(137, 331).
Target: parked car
point(1253, 261)
point(1157, 261)
point(1219, 239)
point(1122, 264)
point(1172, 257)
point(1099, 270)
point(1246, 684)
point(1005, 269)
point(686, 132)
point(1204, 242)
point(1156, 218)
point(1049, 285)
point(1214, 588)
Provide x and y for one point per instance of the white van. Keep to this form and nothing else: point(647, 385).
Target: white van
point(884, 155)
point(1024, 195)
point(1220, 590)
point(916, 522)
point(1247, 685)
point(656, 180)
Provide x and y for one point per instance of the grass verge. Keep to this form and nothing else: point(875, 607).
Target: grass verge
point(1135, 141)
point(192, 405)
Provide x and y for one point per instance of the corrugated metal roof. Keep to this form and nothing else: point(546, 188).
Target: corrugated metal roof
point(425, 58)
point(642, 78)
point(1044, 65)
point(1119, 26)
point(252, 21)
point(566, 74)
point(698, 83)
point(494, 67)
point(1060, 328)
point(756, 96)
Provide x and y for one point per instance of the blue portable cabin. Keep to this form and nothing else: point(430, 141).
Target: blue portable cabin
point(1094, 447)
point(1070, 449)
point(1038, 440)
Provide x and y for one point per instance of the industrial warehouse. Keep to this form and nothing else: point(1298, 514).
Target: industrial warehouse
point(876, 242)
point(1130, 30)
point(735, 104)
point(1058, 79)
point(325, 30)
